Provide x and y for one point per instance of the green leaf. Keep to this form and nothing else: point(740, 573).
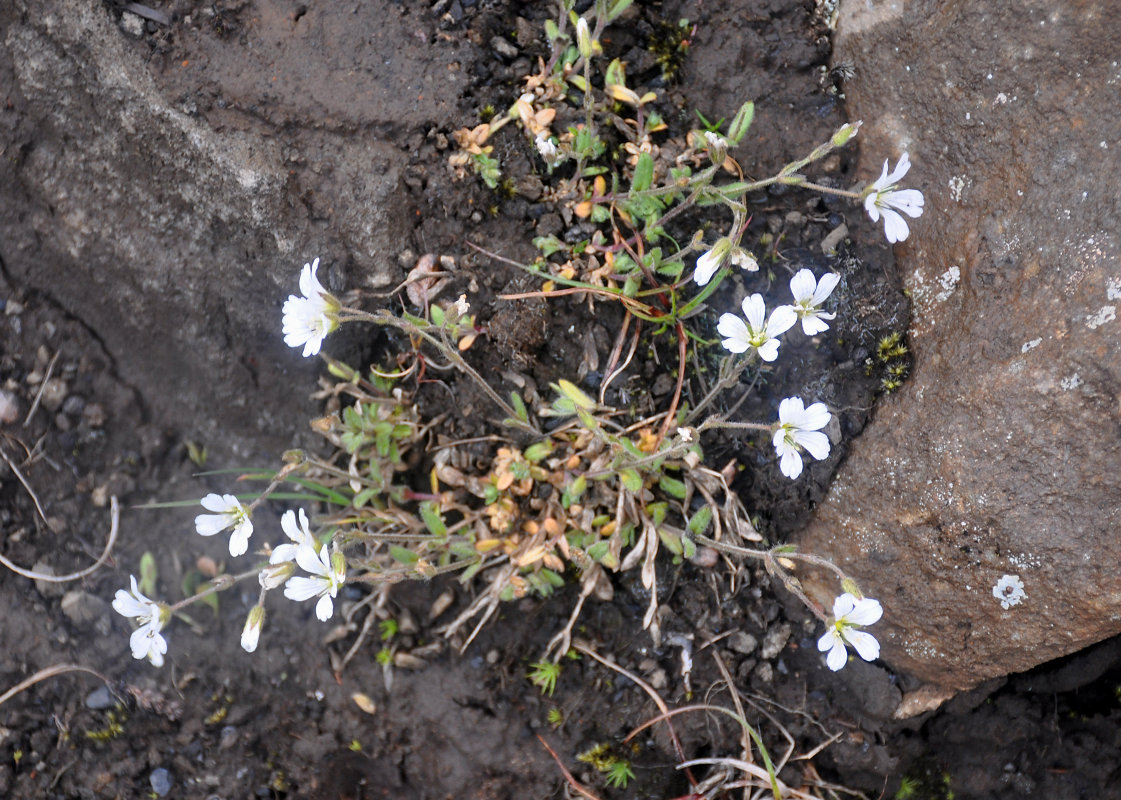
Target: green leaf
point(573, 393)
point(430, 513)
point(403, 556)
point(535, 452)
point(616, 9)
point(519, 406)
point(601, 553)
point(657, 512)
point(688, 547)
point(672, 486)
point(574, 491)
point(469, 573)
point(700, 521)
point(741, 122)
point(643, 173)
point(149, 573)
point(364, 496)
point(671, 540)
point(549, 245)
point(632, 481)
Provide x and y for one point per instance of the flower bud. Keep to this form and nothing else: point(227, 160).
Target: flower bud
point(252, 630)
point(846, 132)
point(717, 147)
point(457, 310)
point(584, 41)
point(338, 567)
point(274, 575)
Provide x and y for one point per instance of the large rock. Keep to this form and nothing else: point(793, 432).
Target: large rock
point(167, 194)
point(1002, 454)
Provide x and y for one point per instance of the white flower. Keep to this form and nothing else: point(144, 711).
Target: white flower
point(251, 633)
point(1009, 590)
point(715, 140)
point(849, 613)
point(884, 198)
point(741, 336)
point(800, 427)
point(308, 319)
point(711, 261)
point(744, 260)
point(546, 147)
point(229, 513)
point(687, 434)
point(328, 574)
point(146, 641)
point(299, 534)
point(809, 293)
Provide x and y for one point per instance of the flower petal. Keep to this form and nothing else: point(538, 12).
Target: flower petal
point(239, 541)
point(803, 285)
point(768, 351)
point(755, 311)
point(815, 443)
point(315, 562)
point(909, 201)
point(829, 639)
point(791, 464)
point(837, 657)
point(865, 644)
point(843, 606)
point(300, 588)
point(733, 327)
point(210, 524)
point(816, 417)
point(781, 320)
point(219, 503)
point(900, 170)
point(865, 612)
point(825, 287)
point(895, 227)
point(325, 608)
point(813, 324)
point(790, 412)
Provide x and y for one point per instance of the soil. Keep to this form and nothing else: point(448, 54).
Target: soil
point(284, 722)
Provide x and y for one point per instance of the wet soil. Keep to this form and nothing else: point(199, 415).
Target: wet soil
point(284, 722)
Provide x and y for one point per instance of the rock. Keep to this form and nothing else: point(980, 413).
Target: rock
point(503, 48)
point(83, 608)
point(100, 699)
point(775, 639)
point(161, 781)
point(54, 394)
point(156, 203)
point(1002, 454)
point(9, 407)
point(47, 588)
point(743, 643)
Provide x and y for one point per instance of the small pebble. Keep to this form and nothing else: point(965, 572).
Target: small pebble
point(161, 781)
point(100, 699)
point(9, 407)
point(775, 639)
point(47, 588)
point(54, 393)
point(83, 608)
point(228, 737)
point(743, 643)
point(73, 405)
